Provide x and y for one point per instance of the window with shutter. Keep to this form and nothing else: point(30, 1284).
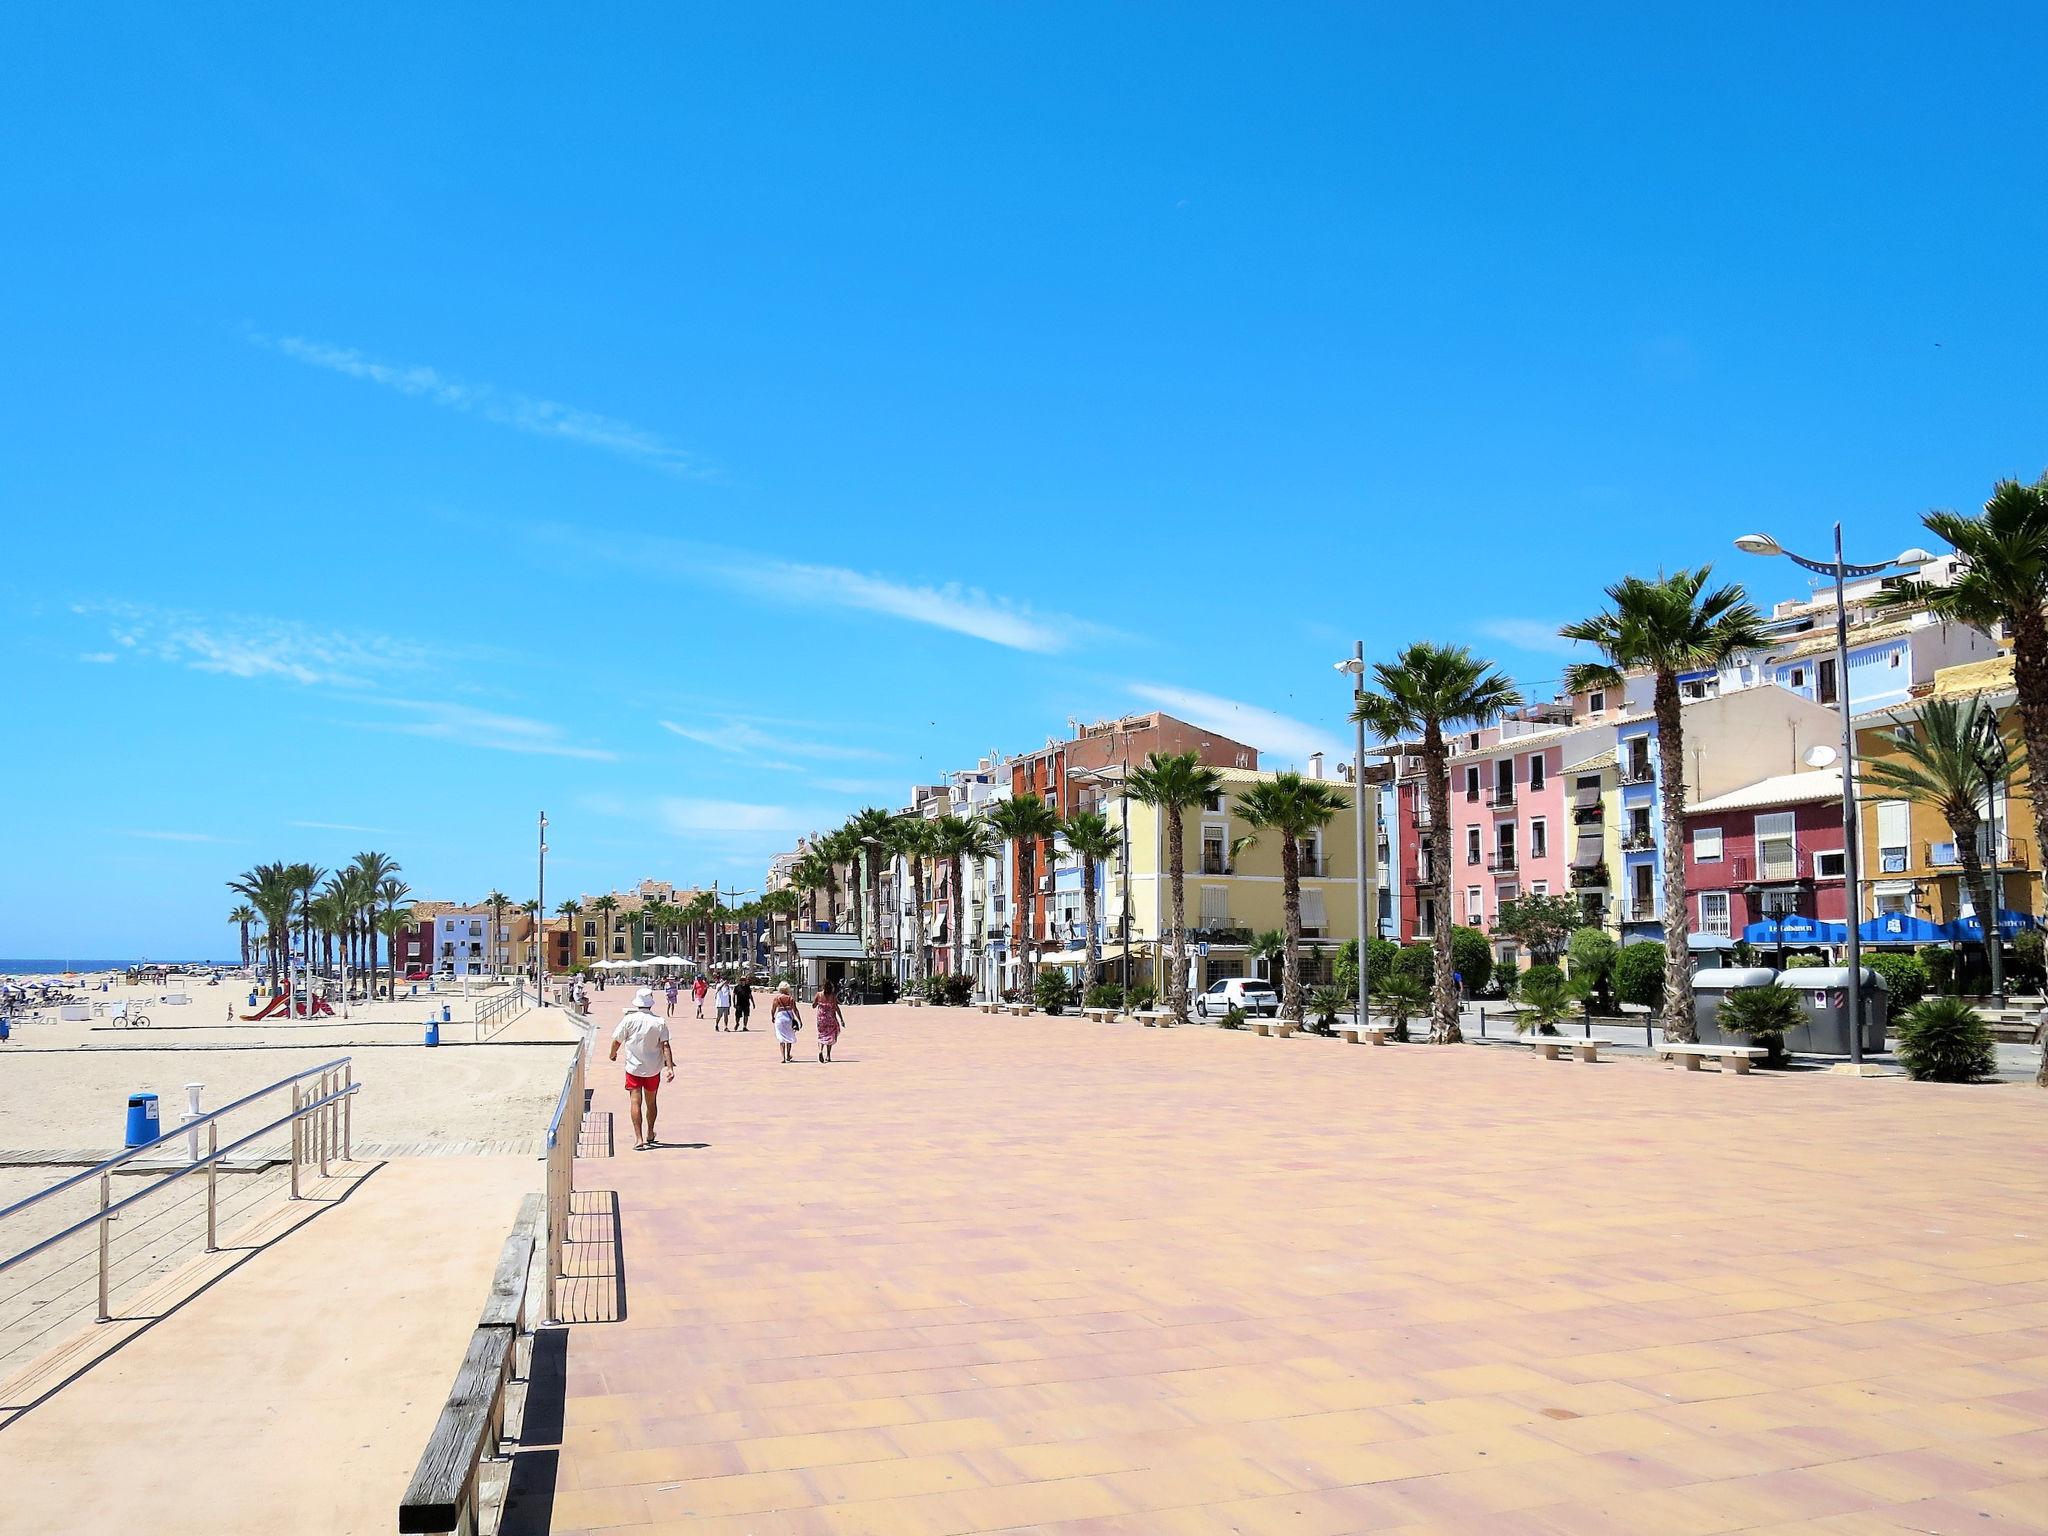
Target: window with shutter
point(1775, 856)
point(1215, 906)
point(1706, 845)
point(1313, 914)
point(1894, 836)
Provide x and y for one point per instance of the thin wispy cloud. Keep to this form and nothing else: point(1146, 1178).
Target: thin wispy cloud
point(688, 813)
point(99, 658)
point(252, 646)
point(962, 609)
point(1533, 635)
point(506, 408)
point(741, 738)
point(485, 730)
point(338, 826)
point(1274, 734)
point(863, 788)
point(176, 837)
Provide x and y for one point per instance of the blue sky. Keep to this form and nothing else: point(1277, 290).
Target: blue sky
point(699, 421)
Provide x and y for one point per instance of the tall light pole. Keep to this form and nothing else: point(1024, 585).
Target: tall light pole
point(1354, 666)
point(1841, 571)
point(540, 919)
point(1996, 760)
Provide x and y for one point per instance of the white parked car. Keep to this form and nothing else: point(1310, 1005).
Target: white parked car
point(1246, 992)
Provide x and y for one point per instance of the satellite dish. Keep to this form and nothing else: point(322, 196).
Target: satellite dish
point(1819, 757)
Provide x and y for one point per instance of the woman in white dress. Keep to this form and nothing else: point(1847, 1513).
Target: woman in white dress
point(787, 1020)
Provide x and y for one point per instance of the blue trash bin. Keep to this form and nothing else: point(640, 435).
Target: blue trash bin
point(6, 1028)
point(142, 1119)
point(433, 1031)
point(447, 1014)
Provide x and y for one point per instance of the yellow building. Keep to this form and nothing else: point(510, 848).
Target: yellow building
point(1231, 897)
point(1908, 849)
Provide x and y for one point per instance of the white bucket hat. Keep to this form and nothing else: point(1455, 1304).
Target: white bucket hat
point(644, 998)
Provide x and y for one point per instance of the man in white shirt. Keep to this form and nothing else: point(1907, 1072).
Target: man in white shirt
point(644, 1039)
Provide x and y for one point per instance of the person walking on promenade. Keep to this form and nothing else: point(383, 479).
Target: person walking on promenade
point(697, 990)
point(644, 1038)
point(672, 992)
point(721, 1002)
point(831, 1018)
point(783, 1010)
point(742, 1003)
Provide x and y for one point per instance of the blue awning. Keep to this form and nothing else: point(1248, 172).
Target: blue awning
point(1795, 928)
point(1971, 930)
point(1900, 928)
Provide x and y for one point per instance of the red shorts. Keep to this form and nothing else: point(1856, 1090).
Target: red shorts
point(650, 1084)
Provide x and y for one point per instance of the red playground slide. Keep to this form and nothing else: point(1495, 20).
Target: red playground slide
point(282, 1003)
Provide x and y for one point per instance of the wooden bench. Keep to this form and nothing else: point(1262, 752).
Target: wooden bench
point(1736, 1056)
point(1551, 1047)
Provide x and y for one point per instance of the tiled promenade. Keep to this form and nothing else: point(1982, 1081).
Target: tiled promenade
point(1003, 1274)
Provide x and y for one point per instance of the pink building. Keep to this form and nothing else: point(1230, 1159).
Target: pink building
point(1510, 830)
point(1772, 847)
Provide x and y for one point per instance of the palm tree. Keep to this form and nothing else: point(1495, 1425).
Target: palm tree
point(700, 914)
point(868, 830)
point(380, 875)
point(269, 888)
point(840, 849)
point(243, 915)
point(911, 839)
point(605, 906)
point(497, 901)
point(1295, 809)
point(1671, 625)
point(1091, 839)
point(1424, 691)
point(392, 891)
point(530, 909)
point(960, 838)
point(779, 907)
point(811, 874)
point(1025, 821)
point(1942, 766)
point(1173, 785)
point(391, 922)
point(305, 878)
point(655, 917)
point(2003, 580)
point(1266, 948)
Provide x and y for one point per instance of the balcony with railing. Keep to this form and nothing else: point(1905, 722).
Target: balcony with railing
point(1638, 773)
point(1638, 841)
point(1502, 798)
point(1589, 815)
point(1422, 874)
point(1502, 862)
point(2012, 853)
point(1590, 876)
point(1636, 910)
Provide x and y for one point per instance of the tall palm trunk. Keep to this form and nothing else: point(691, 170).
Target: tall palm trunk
point(1290, 961)
point(1176, 875)
point(959, 914)
point(1436, 772)
point(1678, 1005)
point(871, 861)
point(1967, 827)
point(1088, 915)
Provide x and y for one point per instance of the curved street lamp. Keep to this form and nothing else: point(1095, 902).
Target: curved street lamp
point(1841, 571)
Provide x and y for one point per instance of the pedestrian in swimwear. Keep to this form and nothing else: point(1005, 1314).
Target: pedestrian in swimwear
point(831, 1018)
point(644, 1039)
point(788, 1021)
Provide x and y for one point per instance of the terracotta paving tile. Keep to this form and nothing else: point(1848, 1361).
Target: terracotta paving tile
point(1039, 1275)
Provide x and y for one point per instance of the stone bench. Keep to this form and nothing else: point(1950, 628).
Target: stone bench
point(989, 1007)
point(915, 1002)
point(1021, 1010)
point(1552, 1047)
point(1370, 1034)
point(1151, 1018)
point(1100, 1015)
point(1737, 1057)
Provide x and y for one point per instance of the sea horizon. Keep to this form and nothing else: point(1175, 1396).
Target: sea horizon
point(46, 966)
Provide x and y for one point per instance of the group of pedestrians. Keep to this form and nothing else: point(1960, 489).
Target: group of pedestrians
point(732, 1003)
point(643, 1038)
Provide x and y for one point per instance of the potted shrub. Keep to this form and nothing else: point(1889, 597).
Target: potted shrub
point(1945, 1040)
point(1051, 992)
point(1234, 1019)
point(1401, 997)
point(1142, 995)
point(1324, 1004)
point(1546, 999)
point(1762, 1015)
point(1104, 994)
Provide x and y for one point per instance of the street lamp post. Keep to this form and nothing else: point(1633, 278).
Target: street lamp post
point(540, 920)
point(1354, 667)
point(1852, 885)
point(1996, 760)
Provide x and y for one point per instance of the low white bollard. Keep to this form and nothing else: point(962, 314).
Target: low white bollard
point(192, 1112)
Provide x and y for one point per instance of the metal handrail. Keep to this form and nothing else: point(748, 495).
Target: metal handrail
point(330, 1131)
point(191, 1125)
